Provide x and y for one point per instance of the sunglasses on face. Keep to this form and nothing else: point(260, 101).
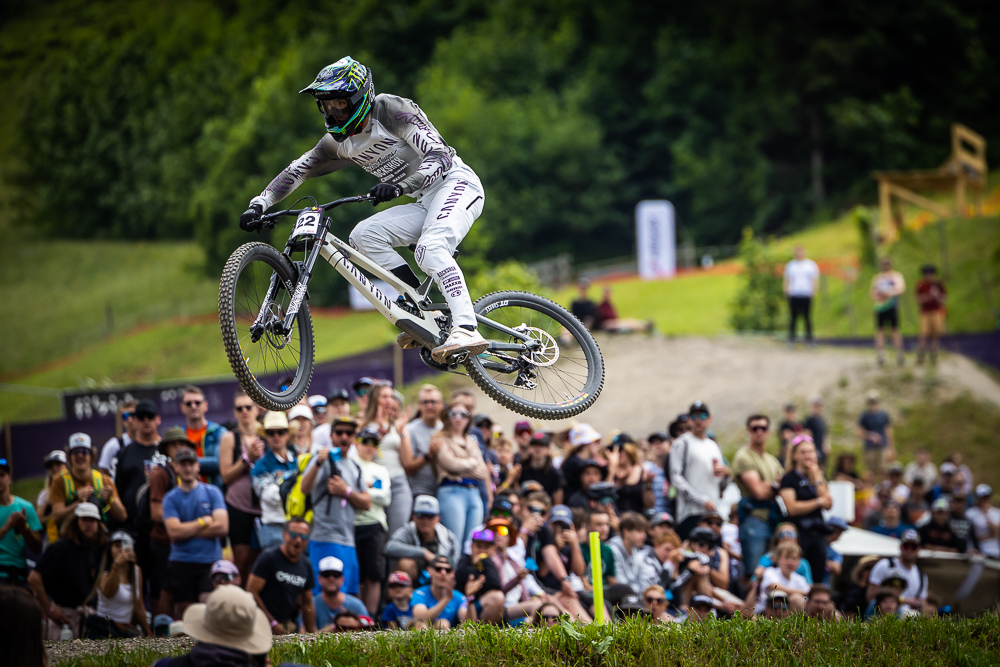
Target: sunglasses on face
point(909, 546)
point(429, 402)
point(193, 404)
point(276, 431)
point(145, 417)
point(442, 568)
point(331, 573)
point(538, 511)
point(297, 536)
point(426, 516)
point(242, 408)
point(126, 416)
point(344, 434)
point(652, 600)
point(760, 429)
point(221, 578)
point(700, 416)
point(787, 535)
point(364, 391)
point(458, 414)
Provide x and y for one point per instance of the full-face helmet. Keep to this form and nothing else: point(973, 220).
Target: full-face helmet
point(344, 94)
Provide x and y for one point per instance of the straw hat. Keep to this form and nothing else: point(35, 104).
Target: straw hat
point(230, 618)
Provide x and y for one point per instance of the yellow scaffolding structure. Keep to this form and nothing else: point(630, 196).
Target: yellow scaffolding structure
point(964, 172)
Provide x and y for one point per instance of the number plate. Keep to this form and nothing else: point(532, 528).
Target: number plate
point(307, 224)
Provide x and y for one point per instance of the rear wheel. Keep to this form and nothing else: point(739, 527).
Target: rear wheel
point(562, 373)
point(273, 367)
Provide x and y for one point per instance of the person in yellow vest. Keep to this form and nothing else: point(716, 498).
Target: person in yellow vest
point(80, 483)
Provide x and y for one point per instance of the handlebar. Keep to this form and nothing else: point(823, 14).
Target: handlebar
point(271, 218)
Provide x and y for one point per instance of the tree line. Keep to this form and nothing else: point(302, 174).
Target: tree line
point(161, 120)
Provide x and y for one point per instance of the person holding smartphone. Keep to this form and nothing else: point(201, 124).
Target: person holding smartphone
point(120, 609)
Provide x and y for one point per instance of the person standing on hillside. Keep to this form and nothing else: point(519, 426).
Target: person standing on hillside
point(875, 431)
point(696, 471)
point(931, 296)
point(205, 435)
point(392, 139)
point(801, 279)
point(887, 286)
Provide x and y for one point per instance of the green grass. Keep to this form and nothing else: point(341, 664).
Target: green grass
point(58, 294)
point(170, 352)
point(795, 641)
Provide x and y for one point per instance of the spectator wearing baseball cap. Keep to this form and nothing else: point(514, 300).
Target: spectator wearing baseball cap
point(985, 518)
point(440, 605)
point(195, 517)
point(701, 608)
point(960, 523)
point(585, 446)
point(338, 403)
point(697, 470)
point(331, 600)
point(66, 573)
point(415, 545)
point(590, 473)
point(362, 386)
point(317, 403)
point(478, 578)
point(398, 613)
point(121, 612)
point(80, 483)
point(20, 530)
point(301, 422)
point(370, 525)
point(225, 573)
point(55, 463)
point(229, 629)
point(948, 482)
point(835, 527)
point(914, 594)
point(937, 534)
point(133, 462)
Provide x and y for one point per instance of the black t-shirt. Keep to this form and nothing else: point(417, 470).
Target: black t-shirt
point(804, 490)
point(134, 463)
point(630, 499)
point(933, 535)
point(550, 478)
point(586, 311)
point(536, 542)
point(284, 582)
point(69, 571)
point(487, 568)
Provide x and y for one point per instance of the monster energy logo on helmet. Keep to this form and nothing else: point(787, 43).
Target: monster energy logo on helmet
point(349, 80)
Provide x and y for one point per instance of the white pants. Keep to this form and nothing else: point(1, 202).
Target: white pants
point(437, 222)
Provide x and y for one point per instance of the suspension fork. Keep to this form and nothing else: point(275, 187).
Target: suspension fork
point(305, 273)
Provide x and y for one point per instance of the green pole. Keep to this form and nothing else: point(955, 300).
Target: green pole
point(596, 573)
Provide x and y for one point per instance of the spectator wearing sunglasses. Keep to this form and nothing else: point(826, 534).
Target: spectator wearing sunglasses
point(697, 470)
point(55, 463)
point(331, 600)
point(362, 386)
point(439, 605)
point(914, 592)
point(282, 581)
point(277, 465)
point(549, 615)
point(239, 452)
point(205, 434)
point(370, 525)
point(133, 464)
point(460, 468)
point(655, 600)
point(756, 473)
point(417, 461)
point(115, 443)
point(415, 545)
point(225, 573)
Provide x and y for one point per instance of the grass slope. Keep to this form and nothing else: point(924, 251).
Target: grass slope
point(795, 641)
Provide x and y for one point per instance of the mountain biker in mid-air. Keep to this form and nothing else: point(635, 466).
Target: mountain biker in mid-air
point(391, 138)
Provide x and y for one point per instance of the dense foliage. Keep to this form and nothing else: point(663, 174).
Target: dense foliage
point(160, 120)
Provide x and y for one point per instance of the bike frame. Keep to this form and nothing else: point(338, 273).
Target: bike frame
point(348, 262)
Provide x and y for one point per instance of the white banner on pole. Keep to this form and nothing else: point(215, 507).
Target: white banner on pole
point(656, 243)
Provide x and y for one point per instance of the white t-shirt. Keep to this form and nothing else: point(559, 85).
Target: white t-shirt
point(772, 576)
point(802, 276)
point(989, 546)
point(321, 438)
point(916, 586)
point(109, 451)
point(691, 473)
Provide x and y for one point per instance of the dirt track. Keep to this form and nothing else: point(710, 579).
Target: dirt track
point(650, 380)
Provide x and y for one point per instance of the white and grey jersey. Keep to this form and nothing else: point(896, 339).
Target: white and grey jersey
point(398, 146)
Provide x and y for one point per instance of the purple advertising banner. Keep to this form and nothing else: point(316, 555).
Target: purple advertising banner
point(93, 411)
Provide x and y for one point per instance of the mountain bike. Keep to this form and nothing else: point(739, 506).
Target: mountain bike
point(541, 361)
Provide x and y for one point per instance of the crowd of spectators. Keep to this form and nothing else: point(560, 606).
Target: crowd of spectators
point(387, 518)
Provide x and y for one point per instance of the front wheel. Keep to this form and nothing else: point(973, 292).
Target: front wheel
point(560, 375)
point(273, 367)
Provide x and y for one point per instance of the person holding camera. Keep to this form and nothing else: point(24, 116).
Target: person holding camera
point(120, 610)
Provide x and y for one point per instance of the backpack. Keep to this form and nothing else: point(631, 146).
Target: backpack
point(295, 501)
point(143, 511)
point(69, 486)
